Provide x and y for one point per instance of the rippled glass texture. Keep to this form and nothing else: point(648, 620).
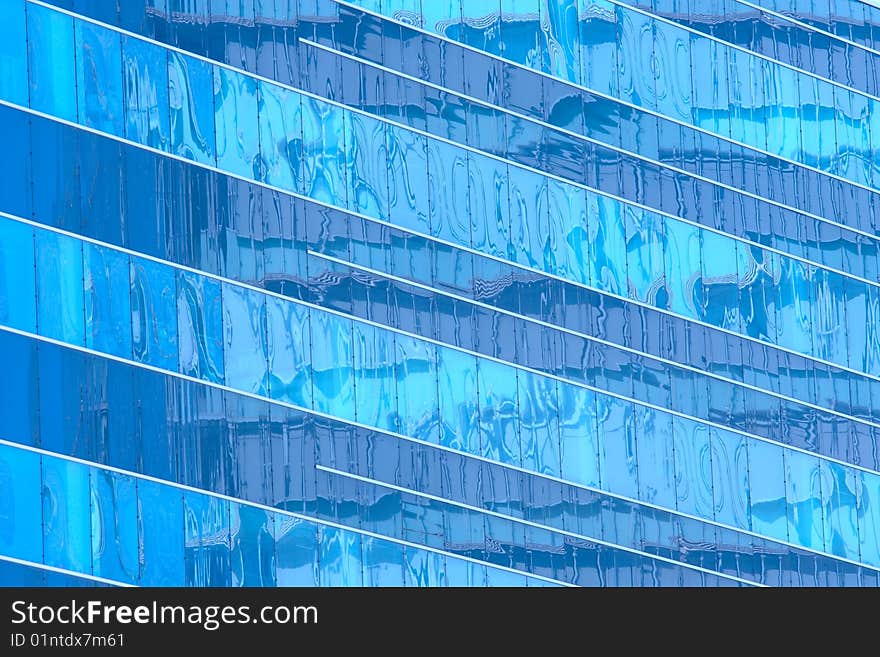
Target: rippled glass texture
point(410, 293)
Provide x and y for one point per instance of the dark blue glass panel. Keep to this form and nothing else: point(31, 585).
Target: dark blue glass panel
point(200, 326)
point(153, 313)
point(145, 79)
point(17, 286)
point(107, 300)
point(191, 101)
point(207, 540)
point(114, 526)
point(253, 546)
point(60, 309)
point(66, 517)
point(13, 53)
point(21, 533)
point(160, 509)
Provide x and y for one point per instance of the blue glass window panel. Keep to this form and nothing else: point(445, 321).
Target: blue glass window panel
point(793, 306)
point(408, 181)
point(528, 217)
point(383, 562)
point(840, 496)
point(200, 326)
point(767, 490)
point(191, 102)
point(340, 558)
point(332, 365)
point(597, 23)
point(608, 239)
point(489, 205)
point(66, 517)
point(107, 300)
point(497, 386)
point(374, 381)
point(288, 349)
point(60, 287)
point(618, 465)
point(449, 180)
point(13, 53)
point(539, 423)
point(21, 532)
point(51, 62)
point(424, 568)
point(416, 375)
point(145, 77)
point(673, 76)
point(244, 345)
point(560, 23)
point(296, 549)
point(114, 526)
point(160, 509)
point(366, 164)
point(99, 77)
point(281, 136)
point(235, 108)
point(868, 500)
point(757, 270)
point(154, 313)
point(567, 252)
point(683, 268)
point(829, 321)
point(656, 466)
point(719, 301)
point(504, 578)
point(18, 304)
point(253, 546)
point(206, 539)
point(521, 32)
point(459, 414)
point(693, 467)
point(635, 37)
point(645, 249)
point(730, 478)
point(579, 435)
point(460, 572)
point(324, 155)
point(803, 496)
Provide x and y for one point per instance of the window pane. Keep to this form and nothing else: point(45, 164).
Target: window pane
point(145, 74)
point(154, 313)
point(18, 304)
point(107, 300)
point(50, 62)
point(60, 287)
point(191, 100)
point(235, 107)
point(244, 327)
point(114, 526)
point(20, 504)
point(99, 77)
point(200, 326)
point(66, 517)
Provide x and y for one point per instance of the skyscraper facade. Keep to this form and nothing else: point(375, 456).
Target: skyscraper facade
point(440, 293)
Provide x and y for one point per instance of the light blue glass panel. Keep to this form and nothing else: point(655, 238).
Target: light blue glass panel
point(323, 152)
point(829, 320)
point(730, 478)
point(424, 568)
point(459, 415)
point(758, 270)
point(672, 57)
point(66, 517)
point(720, 294)
point(191, 101)
point(693, 467)
point(366, 164)
point(499, 411)
point(465, 573)
point(18, 303)
point(597, 20)
point(568, 246)
point(99, 77)
point(645, 248)
point(206, 539)
point(538, 423)
point(868, 499)
point(407, 165)
point(767, 490)
point(608, 241)
point(450, 195)
point(60, 287)
point(559, 21)
point(296, 548)
point(332, 365)
point(803, 496)
point(528, 217)
point(579, 435)
point(683, 269)
point(253, 546)
point(154, 313)
point(51, 62)
point(340, 559)
point(200, 326)
point(416, 376)
point(114, 526)
point(635, 37)
point(145, 77)
point(13, 53)
point(496, 577)
point(489, 205)
point(374, 382)
point(107, 300)
point(618, 463)
point(793, 306)
point(656, 456)
point(281, 136)
point(160, 510)
point(288, 348)
point(383, 562)
point(840, 496)
point(244, 342)
point(235, 109)
point(441, 16)
point(522, 40)
point(21, 532)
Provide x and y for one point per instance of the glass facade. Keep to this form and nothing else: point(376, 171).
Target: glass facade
point(411, 293)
